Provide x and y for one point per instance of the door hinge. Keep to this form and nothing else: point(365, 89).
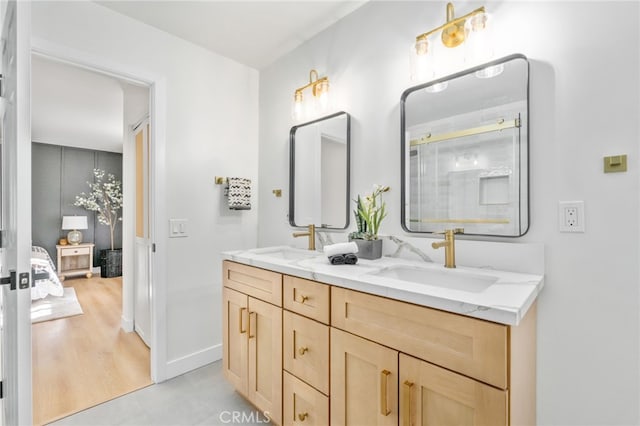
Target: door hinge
point(10, 280)
point(153, 247)
point(1, 389)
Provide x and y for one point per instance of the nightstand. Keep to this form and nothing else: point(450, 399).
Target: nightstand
point(75, 260)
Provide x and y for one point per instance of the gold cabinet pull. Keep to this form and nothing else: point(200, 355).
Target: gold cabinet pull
point(249, 328)
point(407, 403)
point(384, 408)
point(302, 350)
point(303, 298)
point(303, 416)
point(240, 320)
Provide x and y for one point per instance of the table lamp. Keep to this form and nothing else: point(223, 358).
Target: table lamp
point(74, 223)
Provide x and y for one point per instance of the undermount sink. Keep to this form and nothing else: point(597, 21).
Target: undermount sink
point(452, 279)
point(287, 253)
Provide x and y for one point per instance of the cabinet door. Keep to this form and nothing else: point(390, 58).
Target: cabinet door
point(433, 396)
point(364, 381)
point(234, 338)
point(264, 330)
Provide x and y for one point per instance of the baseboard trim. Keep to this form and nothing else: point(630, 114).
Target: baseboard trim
point(192, 361)
point(126, 324)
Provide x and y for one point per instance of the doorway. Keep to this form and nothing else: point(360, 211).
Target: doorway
point(107, 358)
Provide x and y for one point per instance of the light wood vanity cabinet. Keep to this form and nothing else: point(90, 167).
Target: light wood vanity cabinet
point(343, 357)
point(252, 336)
point(453, 369)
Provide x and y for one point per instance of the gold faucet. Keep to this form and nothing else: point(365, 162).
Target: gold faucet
point(449, 245)
point(311, 233)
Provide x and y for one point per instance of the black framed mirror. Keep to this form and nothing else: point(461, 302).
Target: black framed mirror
point(464, 144)
point(319, 172)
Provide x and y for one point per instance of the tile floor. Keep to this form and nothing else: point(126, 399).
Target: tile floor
point(200, 397)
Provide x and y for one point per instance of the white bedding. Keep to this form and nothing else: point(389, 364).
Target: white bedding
point(41, 262)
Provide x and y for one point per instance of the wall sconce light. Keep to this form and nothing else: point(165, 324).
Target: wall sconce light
point(453, 33)
point(318, 103)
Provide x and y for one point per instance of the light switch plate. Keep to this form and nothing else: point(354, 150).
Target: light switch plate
point(178, 228)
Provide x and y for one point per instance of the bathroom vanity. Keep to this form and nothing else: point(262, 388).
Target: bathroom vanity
point(383, 342)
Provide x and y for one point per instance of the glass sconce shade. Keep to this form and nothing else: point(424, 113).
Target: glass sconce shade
point(296, 109)
point(422, 46)
point(322, 94)
point(478, 22)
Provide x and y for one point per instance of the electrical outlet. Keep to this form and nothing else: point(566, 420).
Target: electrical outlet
point(571, 216)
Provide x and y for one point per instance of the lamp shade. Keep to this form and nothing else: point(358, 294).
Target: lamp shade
point(74, 222)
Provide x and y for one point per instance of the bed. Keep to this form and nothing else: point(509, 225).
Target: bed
point(43, 275)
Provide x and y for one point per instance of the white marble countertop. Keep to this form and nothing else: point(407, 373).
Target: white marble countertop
point(498, 296)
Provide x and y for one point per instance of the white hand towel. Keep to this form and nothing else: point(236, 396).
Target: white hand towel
point(340, 248)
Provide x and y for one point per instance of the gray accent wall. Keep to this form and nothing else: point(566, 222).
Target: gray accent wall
point(60, 173)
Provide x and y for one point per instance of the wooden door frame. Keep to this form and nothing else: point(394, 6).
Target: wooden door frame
point(157, 194)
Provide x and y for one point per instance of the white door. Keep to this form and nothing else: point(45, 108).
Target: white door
point(15, 253)
point(142, 254)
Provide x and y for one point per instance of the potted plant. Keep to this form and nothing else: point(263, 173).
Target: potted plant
point(105, 198)
point(369, 213)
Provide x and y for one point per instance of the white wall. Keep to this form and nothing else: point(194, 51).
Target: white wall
point(211, 129)
point(584, 105)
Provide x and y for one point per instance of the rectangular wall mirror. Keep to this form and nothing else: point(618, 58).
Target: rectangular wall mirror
point(465, 151)
point(319, 172)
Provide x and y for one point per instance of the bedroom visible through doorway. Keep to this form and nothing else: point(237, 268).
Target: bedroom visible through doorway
point(82, 121)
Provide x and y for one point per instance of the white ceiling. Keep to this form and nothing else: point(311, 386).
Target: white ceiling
point(254, 33)
point(73, 106)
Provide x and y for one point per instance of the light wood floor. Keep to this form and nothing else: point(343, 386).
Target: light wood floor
point(82, 361)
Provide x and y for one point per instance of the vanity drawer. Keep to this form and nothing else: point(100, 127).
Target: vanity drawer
point(256, 282)
point(308, 298)
point(302, 403)
point(470, 346)
point(306, 350)
point(77, 251)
